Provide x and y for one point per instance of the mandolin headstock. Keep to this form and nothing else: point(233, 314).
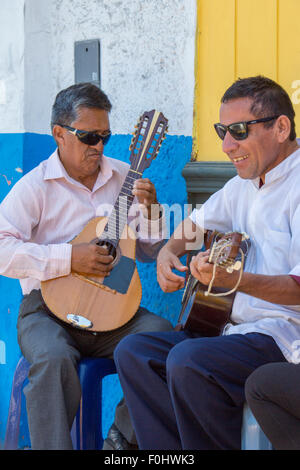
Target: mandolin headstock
point(147, 139)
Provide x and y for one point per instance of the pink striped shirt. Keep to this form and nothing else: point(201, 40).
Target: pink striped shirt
point(46, 209)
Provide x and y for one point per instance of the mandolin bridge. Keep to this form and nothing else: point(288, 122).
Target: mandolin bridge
point(94, 281)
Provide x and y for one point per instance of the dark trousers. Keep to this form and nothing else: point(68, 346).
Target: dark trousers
point(184, 391)
point(53, 350)
point(273, 394)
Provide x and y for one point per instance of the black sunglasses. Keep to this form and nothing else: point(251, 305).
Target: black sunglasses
point(239, 130)
point(88, 138)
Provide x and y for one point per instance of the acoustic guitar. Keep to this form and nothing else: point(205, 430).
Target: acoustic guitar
point(97, 303)
point(207, 309)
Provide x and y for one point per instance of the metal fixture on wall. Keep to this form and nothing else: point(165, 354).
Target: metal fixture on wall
point(87, 61)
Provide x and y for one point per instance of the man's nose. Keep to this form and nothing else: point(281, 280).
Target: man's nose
point(229, 144)
point(99, 146)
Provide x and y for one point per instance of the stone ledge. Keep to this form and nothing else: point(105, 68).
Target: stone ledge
point(205, 178)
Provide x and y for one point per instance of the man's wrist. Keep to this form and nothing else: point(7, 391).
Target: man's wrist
point(155, 211)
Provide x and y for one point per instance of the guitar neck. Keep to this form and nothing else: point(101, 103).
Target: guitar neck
point(119, 216)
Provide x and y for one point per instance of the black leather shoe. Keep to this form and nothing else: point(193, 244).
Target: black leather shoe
point(116, 441)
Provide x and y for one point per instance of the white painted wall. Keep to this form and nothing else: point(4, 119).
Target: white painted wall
point(39, 87)
point(147, 58)
point(11, 65)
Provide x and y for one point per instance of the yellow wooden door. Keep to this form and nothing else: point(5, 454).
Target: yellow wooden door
point(236, 39)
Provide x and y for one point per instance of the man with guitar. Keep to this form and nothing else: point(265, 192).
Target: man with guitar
point(185, 390)
point(39, 218)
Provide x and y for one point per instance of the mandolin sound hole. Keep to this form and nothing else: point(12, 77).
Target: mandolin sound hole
point(113, 250)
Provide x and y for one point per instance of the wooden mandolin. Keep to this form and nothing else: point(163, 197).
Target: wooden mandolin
point(98, 303)
point(206, 309)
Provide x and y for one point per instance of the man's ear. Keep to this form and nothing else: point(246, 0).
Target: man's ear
point(59, 135)
point(283, 125)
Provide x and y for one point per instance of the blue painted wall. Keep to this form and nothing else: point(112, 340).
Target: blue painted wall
point(19, 153)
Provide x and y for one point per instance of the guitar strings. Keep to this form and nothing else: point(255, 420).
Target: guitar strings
point(208, 292)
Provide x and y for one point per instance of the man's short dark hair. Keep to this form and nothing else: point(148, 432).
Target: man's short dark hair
point(268, 99)
point(70, 100)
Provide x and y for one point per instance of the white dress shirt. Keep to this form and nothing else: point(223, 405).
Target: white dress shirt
point(47, 208)
point(270, 215)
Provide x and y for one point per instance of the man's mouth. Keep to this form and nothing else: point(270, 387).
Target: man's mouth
point(94, 155)
point(239, 159)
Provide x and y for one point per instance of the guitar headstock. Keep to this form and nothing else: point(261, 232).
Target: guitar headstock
point(147, 139)
point(225, 249)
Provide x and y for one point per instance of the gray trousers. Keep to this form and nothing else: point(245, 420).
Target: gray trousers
point(53, 349)
point(272, 391)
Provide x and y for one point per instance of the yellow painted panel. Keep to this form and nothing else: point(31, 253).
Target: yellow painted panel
point(239, 38)
point(256, 38)
point(215, 64)
point(289, 52)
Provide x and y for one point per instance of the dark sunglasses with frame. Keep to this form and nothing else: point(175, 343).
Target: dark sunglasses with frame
point(86, 137)
point(239, 130)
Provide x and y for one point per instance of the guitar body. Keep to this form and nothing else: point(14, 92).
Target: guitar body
point(93, 302)
point(208, 312)
point(205, 314)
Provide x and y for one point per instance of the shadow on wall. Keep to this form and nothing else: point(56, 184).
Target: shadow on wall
point(19, 154)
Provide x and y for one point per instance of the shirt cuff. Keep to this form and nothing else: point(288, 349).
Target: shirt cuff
point(152, 229)
point(60, 256)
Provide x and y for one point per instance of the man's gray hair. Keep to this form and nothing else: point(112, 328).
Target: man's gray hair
point(81, 95)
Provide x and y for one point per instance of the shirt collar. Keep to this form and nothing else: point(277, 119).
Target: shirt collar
point(56, 170)
point(280, 171)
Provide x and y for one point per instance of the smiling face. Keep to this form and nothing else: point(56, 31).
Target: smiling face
point(263, 149)
point(81, 161)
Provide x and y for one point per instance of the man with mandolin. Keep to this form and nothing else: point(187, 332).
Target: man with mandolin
point(185, 389)
point(64, 236)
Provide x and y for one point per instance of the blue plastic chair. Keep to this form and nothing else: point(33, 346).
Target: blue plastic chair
point(86, 432)
point(253, 437)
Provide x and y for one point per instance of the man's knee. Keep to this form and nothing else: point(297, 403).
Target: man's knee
point(178, 359)
point(257, 383)
point(189, 356)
